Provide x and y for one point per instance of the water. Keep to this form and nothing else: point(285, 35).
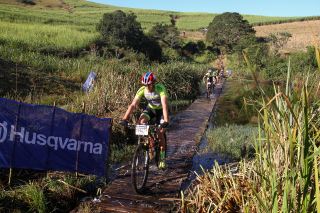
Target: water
point(205, 159)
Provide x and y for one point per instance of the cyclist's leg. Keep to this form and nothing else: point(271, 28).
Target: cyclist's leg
point(163, 149)
point(145, 116)
point(162, 140)
point(159, 115)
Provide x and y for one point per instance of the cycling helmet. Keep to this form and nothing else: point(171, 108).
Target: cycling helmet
point(148, 78)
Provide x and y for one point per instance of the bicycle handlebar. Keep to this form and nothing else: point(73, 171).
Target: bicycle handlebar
point(132, 126)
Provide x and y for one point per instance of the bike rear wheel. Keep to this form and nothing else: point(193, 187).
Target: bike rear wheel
point(140, 166)
point(209, 91)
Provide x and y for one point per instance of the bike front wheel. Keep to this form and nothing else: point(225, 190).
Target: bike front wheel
point(140, 166)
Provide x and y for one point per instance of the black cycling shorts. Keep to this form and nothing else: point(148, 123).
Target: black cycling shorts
point(154, 115)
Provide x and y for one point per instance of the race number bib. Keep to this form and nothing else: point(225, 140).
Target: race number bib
point(142, 129)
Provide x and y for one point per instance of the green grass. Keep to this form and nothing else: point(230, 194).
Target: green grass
point(235, 141)
point(33, 194)
point(47, 38)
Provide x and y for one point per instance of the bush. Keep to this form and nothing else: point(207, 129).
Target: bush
point(167, 35)
point(151, 48)
point(182, 79)
point(170, 54)
point(304, 61)
point(206, 57)
point(276, 68)
point(258, 53)
point(190, 48)
point(121, 30)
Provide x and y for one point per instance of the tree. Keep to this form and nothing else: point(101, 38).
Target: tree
point(151, 48)
point(227, 29)
point(278, 41)
point(167, 35)
point(121, 30)
point(173, 19)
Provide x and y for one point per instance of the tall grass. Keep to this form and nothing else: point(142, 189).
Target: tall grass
point(283, 176)
point(55, 192)
point(46, 63)
point(233, 140)
point(34, 196)
point(285, 161)
point(118, 82)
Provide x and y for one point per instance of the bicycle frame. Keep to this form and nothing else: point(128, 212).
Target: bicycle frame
point(141, 158)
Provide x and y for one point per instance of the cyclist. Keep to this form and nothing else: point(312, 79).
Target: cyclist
point(220, 66)
point(210, 76)
point(157, 98)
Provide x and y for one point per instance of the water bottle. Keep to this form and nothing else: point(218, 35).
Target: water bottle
point(162, 154)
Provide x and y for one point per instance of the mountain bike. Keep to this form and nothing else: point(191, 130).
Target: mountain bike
point(210, 87)
point(147, 151)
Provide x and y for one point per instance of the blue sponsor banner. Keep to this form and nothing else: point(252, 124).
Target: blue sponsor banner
point(49, 138)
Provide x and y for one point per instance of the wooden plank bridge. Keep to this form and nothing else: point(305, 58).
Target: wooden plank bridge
point(163, 187)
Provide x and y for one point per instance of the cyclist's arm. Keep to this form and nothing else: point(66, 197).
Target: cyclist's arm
point(164, 103)
point(204, 79)
point(217, 78)
point(131, 108)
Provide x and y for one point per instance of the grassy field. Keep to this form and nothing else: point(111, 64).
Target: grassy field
point(306, 33)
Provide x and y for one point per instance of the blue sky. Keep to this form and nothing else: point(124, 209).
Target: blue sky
point(249, 7)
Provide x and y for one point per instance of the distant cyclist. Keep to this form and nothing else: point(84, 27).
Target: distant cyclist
point(211, 76)
point(157, 98)
point(220, 66)
point(209, 79)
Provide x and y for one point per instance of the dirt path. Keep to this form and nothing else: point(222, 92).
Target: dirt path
point(164, 187)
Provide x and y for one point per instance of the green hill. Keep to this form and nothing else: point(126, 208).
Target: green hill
point(84, 13)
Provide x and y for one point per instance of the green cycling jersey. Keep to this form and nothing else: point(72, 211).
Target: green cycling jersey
point(153, 98)
point(211, 73)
